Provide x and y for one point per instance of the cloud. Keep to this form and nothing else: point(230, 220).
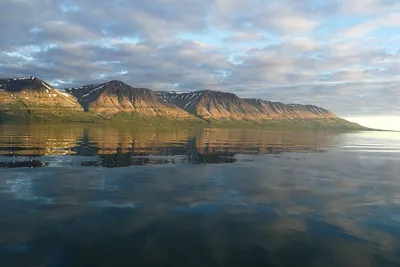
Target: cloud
point(392, 20)
point(339, 54)
point(370, 6)
point(276, 16)
point(242, 37)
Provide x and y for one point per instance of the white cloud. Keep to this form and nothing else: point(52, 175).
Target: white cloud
point(277, 16)
point(304, 44)
point(391, 20)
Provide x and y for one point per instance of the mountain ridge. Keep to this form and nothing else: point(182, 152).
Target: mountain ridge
point(118, 101)
point(226, 105)
point(29, 97)
point(115, 96)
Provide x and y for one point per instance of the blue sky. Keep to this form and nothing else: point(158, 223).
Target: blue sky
point(343, 55)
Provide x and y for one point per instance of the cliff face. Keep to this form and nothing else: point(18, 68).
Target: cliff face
point(114, 97)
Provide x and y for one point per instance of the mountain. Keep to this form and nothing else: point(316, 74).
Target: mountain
point(221, 107)
point(30, 97)
point(115, 97)
point(209, 104)
point(276, 110)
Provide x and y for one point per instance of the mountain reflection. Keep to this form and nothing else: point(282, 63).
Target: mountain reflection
point(333, 209)
point(121, 146)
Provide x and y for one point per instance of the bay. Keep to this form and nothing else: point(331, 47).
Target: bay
point(120, 195)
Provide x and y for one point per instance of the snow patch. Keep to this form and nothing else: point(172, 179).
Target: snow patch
point(94, 90)
point(70, 101)
point(46, 86)
point(314, 110)
point(98, 88)
point(193, 95)
point(24, 78)
point(192, 100)
point(85, 95)
point(65, 94)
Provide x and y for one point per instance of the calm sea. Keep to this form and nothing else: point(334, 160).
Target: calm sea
point(92, 195)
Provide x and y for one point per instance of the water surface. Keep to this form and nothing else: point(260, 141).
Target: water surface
point(90, 195)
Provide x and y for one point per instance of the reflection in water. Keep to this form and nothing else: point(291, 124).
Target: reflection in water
point(125, 159)
point(267, 208)
point(23, 164)
point(123, 146)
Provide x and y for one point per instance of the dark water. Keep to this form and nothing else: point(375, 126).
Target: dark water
point(85, 195)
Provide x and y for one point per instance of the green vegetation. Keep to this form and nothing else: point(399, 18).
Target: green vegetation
point(292, 124)
point(30, 116)
point(14, 114)
point(18, 115)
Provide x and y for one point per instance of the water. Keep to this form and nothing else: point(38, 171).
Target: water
point(90, 195)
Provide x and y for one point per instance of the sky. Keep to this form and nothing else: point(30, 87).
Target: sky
point(343, 55)
point(378, 122)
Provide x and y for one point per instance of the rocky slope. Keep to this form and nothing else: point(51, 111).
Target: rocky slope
point(32, 97)
point(226, 106)
point(209, 104)
point(114, 97)
point(276, 110)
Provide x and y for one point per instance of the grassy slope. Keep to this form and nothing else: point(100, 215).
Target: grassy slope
point(16, 114)
point(312, 124)
point(136, 118)
point(19, 115)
